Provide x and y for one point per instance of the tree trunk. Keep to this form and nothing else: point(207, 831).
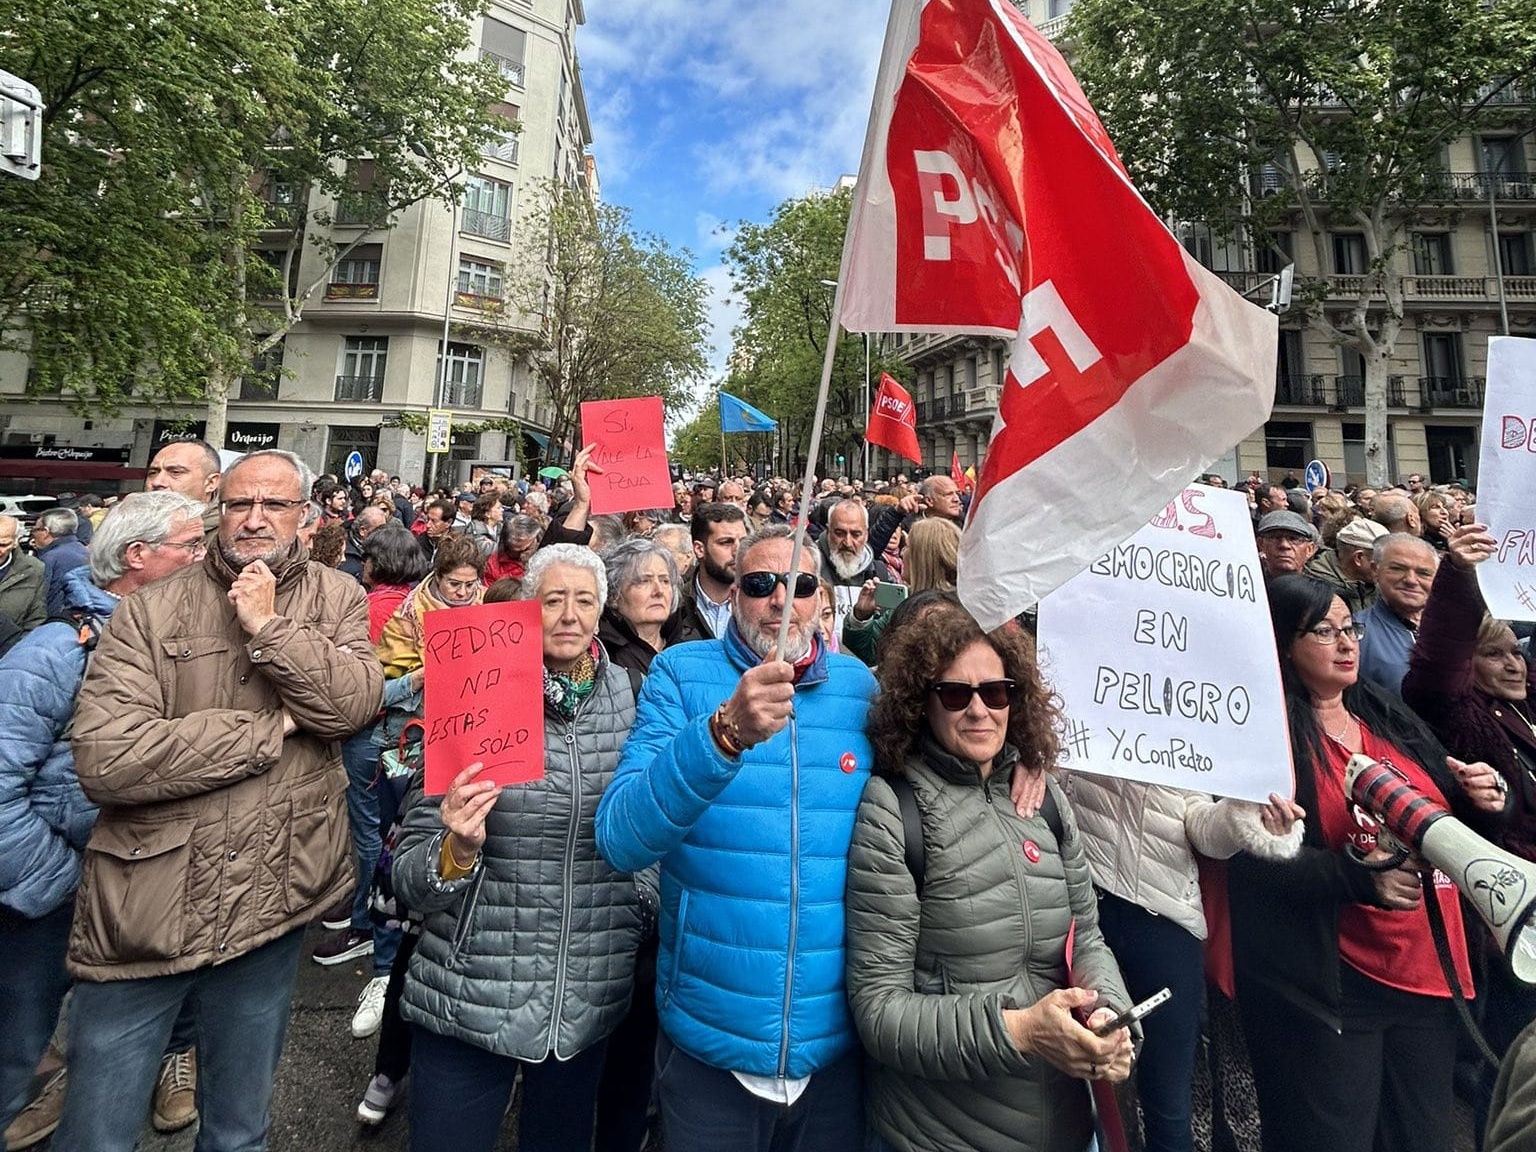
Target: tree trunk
point(216, 393)
point(1376, 459)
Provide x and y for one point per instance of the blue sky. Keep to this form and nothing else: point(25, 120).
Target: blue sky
point(705, 114)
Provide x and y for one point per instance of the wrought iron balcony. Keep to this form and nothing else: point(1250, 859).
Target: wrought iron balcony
point(1300, 390)
point(1451, 391)
point(370, 388)
point(487, 224)
point(343, 290)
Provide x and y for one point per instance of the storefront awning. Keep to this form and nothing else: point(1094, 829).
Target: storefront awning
point(537, 437)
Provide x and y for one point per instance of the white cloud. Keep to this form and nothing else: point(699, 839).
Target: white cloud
point(725, 313)
point(781, 91)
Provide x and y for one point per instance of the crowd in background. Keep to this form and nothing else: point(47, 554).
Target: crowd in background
point(829, 896)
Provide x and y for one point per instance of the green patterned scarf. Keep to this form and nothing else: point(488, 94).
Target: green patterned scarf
point(565, 691)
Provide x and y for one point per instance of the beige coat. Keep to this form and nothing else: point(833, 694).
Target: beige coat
point(217, 834)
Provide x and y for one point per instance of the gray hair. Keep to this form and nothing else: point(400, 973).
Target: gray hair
point(846, 505)
point(311, 513)
point(623, 562)
point(576, 555)
point(606, 530)
point(59, 522)
point(779, 532)
point(1403, 539)
point(149, 517)
point(306, 477)
point(681, 531)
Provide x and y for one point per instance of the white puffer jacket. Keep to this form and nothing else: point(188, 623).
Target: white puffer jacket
point(1141, 841)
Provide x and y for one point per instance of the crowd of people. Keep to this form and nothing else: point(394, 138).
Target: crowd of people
point(802, 870)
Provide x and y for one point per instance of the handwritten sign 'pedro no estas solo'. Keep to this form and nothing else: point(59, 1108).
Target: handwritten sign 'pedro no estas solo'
point(632, 452)
point(485, 697)
point(1163, 655)
point(1506, 473)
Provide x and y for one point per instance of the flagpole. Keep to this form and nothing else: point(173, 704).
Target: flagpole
point(721, 409)
point(809, 484)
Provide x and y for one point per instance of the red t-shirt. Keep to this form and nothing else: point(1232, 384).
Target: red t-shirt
point(1392, 948)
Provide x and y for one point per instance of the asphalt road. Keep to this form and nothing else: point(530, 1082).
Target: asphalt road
point(324, 1071)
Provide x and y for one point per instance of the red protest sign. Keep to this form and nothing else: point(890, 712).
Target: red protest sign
point(632, 452)
point(485, 701)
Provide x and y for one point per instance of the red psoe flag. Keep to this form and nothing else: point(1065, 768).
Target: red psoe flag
point(957, 473)
point(990, 200)
point(893, 421)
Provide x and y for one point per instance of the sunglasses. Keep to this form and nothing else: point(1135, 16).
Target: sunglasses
point(955, 696)
point(759, 585)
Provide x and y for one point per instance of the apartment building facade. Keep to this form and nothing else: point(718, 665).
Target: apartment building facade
point(366, 351)
point(1466, 272)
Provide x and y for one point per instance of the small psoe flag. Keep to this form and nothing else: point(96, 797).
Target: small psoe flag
point(893, 420)
point(990, 200)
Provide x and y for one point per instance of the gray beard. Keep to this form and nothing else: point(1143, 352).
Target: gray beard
point(797, 647)
point(238, 563)
point(848, 569)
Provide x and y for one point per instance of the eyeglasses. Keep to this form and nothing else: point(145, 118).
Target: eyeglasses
point(268, 507)
point(759, 585)
point(1327, 634)
point(955, 695)
point(196, 547)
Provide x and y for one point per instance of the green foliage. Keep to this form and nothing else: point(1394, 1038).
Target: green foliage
point(780, 270)
point(696, 445)
point(123, 269)
point(1256, 117)
point(624, 315)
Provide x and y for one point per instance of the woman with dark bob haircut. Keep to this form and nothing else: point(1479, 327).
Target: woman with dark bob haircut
point(1345, 1005)
point(958, 978)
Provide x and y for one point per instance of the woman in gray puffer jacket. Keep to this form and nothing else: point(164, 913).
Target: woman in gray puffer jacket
point(960, 987)
point(527, 952)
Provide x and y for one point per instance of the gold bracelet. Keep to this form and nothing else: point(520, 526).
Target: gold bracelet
point(726, 741)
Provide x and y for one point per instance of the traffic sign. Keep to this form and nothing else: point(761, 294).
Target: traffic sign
point(354, 467)
point(439, 429)
point(1317, 476)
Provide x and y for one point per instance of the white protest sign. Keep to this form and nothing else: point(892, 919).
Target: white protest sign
point(1163, 655)
point(1506, 472)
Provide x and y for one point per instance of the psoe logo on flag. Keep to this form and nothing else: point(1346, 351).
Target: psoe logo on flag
point(893, 405)
point(953, 199)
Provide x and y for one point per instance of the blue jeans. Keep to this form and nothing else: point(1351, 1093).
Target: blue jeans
point(459, 1096)
point(706, 1109)
point(32, 986)
point(118, 1031)
point(361, 757)
point(1155, 953)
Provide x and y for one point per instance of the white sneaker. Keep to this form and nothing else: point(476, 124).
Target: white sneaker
point(370, 1008)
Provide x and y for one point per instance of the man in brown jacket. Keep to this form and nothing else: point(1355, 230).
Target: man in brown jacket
point(208, 730)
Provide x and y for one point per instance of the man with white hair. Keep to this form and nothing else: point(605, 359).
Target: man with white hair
point(382, 486)
point(55, 544)
point(208, 730)
point(850, 559)
point(147, 536)
point(23, 580)
point(1405, 570)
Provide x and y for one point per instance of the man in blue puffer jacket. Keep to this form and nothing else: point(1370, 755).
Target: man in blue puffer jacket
point(741, 776)
point(45, 819)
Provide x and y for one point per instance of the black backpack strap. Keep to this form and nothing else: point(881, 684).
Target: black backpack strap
point(911, 828)
point(636, 682)
point(1051, 811)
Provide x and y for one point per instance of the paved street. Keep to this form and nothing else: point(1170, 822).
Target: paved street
point(324, 1071)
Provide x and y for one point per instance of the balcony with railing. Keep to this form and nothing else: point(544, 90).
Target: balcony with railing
point(461, 394)
point(354, 211)
point(486, 224)
point(1450, 392)
point(344, 290)
point(1304, 389)
point(512, 70)
point(1477, 185)
point(360, 388)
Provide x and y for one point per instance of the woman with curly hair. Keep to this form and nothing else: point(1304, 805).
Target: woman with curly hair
point(958, 958)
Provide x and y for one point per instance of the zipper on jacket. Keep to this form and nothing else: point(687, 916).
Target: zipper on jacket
point(565, 886)
point(794, 891)
point(466, 914)
point(1020, 880)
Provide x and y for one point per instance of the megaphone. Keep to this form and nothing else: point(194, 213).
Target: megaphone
point(1500, 886)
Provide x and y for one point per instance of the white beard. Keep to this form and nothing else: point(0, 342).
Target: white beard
point(848, 569)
